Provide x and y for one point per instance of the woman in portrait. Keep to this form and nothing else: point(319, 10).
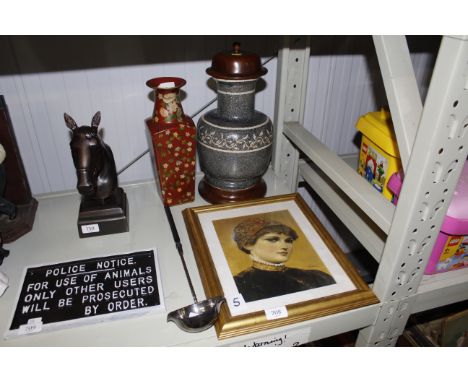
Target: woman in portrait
point(269, 244)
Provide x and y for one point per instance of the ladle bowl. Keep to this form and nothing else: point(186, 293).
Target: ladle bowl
point(200, 315)
point(197, 317)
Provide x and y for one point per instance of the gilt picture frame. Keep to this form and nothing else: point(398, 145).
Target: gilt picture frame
point(274, 263)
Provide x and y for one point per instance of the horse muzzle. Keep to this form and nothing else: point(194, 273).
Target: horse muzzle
point(85, 186)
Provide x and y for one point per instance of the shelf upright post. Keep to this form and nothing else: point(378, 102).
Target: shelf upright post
point(437, 158)
point(291, 86)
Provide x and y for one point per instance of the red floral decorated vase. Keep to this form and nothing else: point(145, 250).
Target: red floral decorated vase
point(173, 136)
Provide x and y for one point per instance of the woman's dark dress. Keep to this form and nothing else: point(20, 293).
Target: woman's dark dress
point(257, 284)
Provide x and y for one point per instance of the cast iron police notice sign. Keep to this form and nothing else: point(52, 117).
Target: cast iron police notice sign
point(96, 288)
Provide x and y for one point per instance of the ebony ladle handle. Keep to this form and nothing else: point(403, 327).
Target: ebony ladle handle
point(178, 244)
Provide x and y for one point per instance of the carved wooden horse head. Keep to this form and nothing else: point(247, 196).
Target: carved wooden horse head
point(93, 159)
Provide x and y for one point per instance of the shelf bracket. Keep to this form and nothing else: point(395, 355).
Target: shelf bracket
point(402, 90)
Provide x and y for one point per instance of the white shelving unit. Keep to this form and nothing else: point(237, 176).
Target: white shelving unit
point(433, 143)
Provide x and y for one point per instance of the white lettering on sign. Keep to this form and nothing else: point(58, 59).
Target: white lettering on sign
point(64, 302)
point(34, 325)
point(275, 313)
point(89, 228)
point(64, 271)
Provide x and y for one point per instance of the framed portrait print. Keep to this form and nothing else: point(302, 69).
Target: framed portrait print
point(274, 263)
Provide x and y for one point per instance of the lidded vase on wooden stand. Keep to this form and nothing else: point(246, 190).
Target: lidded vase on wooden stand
point(234, 141)
point(174, 142)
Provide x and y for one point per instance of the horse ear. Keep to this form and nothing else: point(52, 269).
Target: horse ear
point(96, 119)
point(70, 122)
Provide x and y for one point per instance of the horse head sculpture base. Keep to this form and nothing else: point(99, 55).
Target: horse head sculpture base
point(104, 206)
point(97, 218)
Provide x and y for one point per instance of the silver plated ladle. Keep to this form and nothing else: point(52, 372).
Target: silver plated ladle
point(198, 316)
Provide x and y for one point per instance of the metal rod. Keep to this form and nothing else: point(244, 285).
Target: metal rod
point(178, 244)
point(133, 161)
point(204, 107)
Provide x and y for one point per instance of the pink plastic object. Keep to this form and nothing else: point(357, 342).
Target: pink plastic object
point(451, 248)
point(394, 185)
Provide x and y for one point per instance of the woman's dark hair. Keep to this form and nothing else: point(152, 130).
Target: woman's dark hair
point(248, 231)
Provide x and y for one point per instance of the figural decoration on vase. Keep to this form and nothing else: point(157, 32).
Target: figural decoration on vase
point(174, 142)
point(234, 140)
point(104, 206)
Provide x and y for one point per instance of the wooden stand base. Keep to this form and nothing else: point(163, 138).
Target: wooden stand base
point(17, 189)
point(216, 195)
point(21, 224)
point(97, 219)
